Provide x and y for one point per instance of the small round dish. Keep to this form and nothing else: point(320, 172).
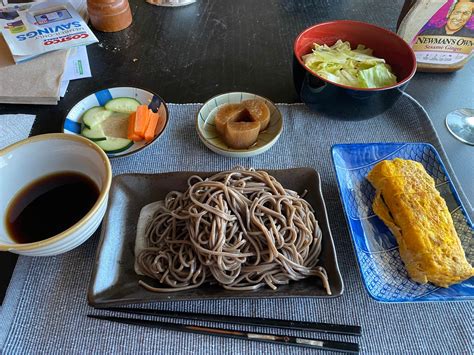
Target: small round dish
point(73, 122)
point(207, 131)
point(33, 158)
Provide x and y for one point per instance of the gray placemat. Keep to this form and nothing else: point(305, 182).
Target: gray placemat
point(45, 307)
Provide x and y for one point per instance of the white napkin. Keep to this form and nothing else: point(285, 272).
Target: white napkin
point(14, 128)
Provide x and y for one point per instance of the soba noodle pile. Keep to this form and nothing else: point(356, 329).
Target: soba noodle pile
point(239, 228)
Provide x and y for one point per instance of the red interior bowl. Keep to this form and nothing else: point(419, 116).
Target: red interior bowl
point(385, 44)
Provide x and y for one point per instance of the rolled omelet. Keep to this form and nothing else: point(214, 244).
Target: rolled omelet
point(408, 202)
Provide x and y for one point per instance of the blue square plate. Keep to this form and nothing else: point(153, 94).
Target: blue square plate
point(383, 272)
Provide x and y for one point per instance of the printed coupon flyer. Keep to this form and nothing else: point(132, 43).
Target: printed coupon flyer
point(33, 29)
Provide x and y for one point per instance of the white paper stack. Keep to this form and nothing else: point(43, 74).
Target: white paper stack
point(77, 67)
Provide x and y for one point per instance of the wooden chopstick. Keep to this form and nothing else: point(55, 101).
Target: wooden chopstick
point(258, 337)
point(262, 322)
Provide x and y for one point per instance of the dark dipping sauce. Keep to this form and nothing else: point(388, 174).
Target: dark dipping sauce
point(49, 206)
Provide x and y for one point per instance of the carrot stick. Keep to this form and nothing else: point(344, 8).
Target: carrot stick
point(141, 120)
point(152, 122)
point(131, 128)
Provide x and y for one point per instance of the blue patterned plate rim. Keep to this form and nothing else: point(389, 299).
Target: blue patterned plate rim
point(394, 150)
point(102, 96)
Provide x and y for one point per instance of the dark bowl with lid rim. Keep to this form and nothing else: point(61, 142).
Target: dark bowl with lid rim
point(345, 102)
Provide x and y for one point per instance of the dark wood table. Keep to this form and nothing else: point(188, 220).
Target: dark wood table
point(191, 53)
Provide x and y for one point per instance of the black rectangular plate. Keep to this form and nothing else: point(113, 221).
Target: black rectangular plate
point(114, 281)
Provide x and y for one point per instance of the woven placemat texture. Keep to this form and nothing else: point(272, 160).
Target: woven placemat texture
point(45, 307)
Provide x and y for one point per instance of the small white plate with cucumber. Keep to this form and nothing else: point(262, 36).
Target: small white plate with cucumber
point(104, 117)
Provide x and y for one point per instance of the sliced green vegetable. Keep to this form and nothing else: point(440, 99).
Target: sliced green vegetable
point(356, 68)
point(122, 104)
point(94, 134)
point(93, 118)
point(115, 145)
point(90, 112)
point(376, 77)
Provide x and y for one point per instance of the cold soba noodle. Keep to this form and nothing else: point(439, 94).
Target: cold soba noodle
point(239, 228)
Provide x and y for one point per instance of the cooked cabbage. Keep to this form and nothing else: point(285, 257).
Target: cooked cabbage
point(357, 68)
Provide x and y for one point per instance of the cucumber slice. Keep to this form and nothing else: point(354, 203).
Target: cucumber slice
point(95, 116)
point(114, 145)
point(94, 134)
point(89, 113)
point(122, 104)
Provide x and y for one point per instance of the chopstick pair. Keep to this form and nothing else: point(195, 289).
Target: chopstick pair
point(253, 336)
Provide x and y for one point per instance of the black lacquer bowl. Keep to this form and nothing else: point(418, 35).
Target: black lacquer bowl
point(344, 102)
